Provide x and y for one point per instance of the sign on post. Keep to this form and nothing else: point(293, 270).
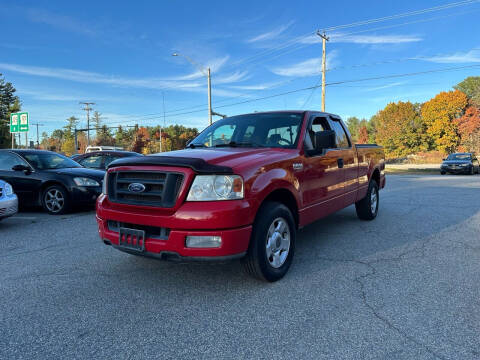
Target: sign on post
point(19, 122)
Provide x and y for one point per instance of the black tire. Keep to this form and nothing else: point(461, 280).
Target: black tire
point(364, 206)
point(256, 263)
point(442, 172)
point(60, 207)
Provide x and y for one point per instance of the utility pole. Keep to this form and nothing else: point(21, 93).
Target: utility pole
point(38, 137)
point(161, 140)
point(87, 108)
point(324, 64)
point(209, 81)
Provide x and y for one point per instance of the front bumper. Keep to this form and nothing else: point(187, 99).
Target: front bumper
point(457, 170)
point(8, 206)
point(85, 194)
point(231, 220)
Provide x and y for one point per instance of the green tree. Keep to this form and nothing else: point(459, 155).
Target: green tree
point(353, 124)
point(72, 123)
point(400, 129)
point(97, 122)
point(9, 103)
point(470, 87)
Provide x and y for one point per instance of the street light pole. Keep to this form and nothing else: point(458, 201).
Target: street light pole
point(207, 73)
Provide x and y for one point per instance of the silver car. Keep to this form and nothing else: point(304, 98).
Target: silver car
point(8, 200)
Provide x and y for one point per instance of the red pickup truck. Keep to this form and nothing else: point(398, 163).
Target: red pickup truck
point(240, 189)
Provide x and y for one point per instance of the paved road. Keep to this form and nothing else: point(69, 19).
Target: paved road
point(406, 286)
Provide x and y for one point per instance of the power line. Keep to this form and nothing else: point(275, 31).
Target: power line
point(402, 15)
point(334, 83)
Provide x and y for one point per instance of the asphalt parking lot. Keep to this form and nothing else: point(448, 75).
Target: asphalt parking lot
point(405, 286)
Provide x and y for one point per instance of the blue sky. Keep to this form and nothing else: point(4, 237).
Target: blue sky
point(118, 55)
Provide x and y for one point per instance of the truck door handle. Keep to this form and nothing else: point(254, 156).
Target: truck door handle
point(340, 163)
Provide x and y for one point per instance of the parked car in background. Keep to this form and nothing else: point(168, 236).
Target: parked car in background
point(241, 189)
point(8, 200)
point(460, 163)
point(49, 179)
point(102, 148)
point(101, 159)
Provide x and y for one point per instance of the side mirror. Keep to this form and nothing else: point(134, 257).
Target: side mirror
point(21, 167)
point(325, 140)
point(444, 159)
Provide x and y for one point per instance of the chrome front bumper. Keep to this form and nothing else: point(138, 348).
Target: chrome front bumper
point(8, 206)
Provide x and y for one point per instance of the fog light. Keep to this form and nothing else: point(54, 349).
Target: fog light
point(203, 241)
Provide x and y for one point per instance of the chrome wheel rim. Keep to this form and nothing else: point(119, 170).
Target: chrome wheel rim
point(278, 242)
point(374, 201)
point(54, 200)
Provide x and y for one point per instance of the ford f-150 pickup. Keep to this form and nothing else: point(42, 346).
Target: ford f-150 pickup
point(240, 189)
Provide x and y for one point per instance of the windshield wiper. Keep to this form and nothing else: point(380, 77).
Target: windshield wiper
point(239, 144)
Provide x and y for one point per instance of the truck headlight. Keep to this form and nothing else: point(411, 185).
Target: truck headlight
point(8, 189)
point(463, 165)
point(216, 187)
point(82, 181)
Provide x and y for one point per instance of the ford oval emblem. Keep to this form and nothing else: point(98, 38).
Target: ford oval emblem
point(136, 187)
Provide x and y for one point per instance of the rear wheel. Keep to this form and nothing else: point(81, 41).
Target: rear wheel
point(272, 243)
point(442, 172)
point(55, 200)
point(367, 208)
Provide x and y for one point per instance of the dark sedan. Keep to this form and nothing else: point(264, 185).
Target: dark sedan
point(101, 159)
point(460, 163)
point(49, 179)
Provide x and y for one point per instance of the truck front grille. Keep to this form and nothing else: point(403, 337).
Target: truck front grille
point(157, 188)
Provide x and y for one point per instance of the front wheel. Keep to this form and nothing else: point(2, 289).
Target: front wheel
point(272, 243)
point(367, 208)
point(55, 200)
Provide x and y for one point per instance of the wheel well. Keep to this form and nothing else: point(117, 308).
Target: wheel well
point(376, 176)
point(286, 198)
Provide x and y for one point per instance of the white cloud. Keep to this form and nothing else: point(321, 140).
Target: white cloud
point(215, 65)
point(305, 68)
point(61, 22)
point(472, 56)
point(231, 78)
point(387, 86)
point(364, 39)
point(270, 34)
point(264, 86)
point(179, 83)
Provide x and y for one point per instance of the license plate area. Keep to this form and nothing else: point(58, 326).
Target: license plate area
point(132, 239)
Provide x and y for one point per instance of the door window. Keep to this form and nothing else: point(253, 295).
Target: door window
point(9, 160)
point(342, 138)
point(318, 124)
point(92, 162)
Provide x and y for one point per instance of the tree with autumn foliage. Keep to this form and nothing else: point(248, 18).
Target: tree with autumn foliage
point(400, 129)
point(469, 129)
point(439, 114)
point(362, 137)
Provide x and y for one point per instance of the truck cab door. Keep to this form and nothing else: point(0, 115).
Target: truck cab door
point(348, 157)
point(323, 176)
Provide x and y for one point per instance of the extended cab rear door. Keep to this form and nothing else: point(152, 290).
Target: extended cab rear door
point(347, 160)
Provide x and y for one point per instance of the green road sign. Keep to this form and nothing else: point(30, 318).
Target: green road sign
point(19, 122)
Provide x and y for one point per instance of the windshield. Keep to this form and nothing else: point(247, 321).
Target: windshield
point(459, 157)
point(279, 130)
point(45, 161)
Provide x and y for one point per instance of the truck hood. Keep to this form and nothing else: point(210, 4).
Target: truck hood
point(233, 157)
